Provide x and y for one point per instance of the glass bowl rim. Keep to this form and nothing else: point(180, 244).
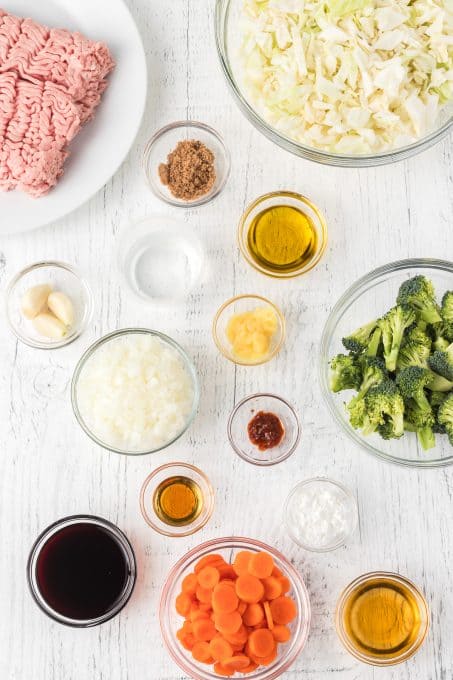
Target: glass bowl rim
point(296, 579)
point(167, 340)
point(175, 202)
point(297, 148)
point(348, 493)
point(264, 463)
point(87, 294)
point(351, 294)
point(40, 542)
point(237, 298)
point(242, 235)
point(190, 529)
point(396, 578)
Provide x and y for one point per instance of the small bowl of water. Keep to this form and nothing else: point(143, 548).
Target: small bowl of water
point(161, 259)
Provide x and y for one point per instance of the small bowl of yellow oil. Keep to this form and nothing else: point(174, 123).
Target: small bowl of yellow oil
point(177, 499)
point(382, 618)
point(282, 234)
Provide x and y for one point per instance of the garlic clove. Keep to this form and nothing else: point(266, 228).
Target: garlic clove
point(61, 306)
point(34, 300)
point(48, 325)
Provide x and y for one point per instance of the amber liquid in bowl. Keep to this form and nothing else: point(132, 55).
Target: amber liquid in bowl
point(382, 619)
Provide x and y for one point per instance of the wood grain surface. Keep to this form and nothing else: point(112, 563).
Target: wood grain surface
point(49, 468)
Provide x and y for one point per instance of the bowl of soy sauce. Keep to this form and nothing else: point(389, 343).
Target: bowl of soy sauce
point(81, 570)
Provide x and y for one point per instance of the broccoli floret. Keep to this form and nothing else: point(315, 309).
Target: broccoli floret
point(384, 406)
point(445, 416)
point(375, 341)
point(373, 373)
point(418, 294)
point(393, 325)
point(356, 408)
point(411, 382)
point(421, 421)
point(358, 341)
point(346, 373)
point(415, 349)
point(446, 310)
point(441, 362)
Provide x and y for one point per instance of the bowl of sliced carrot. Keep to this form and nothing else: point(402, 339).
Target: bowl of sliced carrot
point(234, 607)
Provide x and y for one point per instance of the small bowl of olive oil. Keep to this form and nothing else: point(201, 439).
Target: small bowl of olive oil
point(382, 618)
point(177, 499)
point(282, 234)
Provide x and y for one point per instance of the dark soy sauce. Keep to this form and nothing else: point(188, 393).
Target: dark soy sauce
point(82, 571)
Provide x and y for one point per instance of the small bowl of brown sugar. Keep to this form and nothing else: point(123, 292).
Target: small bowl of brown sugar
point(186, 163)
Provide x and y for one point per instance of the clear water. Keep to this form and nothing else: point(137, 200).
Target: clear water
point(164, 266)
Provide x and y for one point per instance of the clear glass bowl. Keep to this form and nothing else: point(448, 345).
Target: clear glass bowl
point(226, 30)
point(239, 305)
point(165, 141)
point(170, 621)
point(161, 260)
point(62, 277)
point(292, 199)
point(242, 414)
point(47, 535)
point(166, 340)
point(370, 297)
point(396, 580)
point(343, 495)
point(150, 486)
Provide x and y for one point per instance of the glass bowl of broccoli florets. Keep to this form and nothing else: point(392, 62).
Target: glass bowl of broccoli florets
point(386, 364)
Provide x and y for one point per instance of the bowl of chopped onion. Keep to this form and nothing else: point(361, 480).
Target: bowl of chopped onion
point(345, 82)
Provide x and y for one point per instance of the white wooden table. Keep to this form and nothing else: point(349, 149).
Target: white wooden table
point(49, 468)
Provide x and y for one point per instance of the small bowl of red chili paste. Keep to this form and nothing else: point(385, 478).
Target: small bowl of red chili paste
point(264, 429)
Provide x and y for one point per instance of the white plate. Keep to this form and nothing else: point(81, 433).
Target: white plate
point(100, 148)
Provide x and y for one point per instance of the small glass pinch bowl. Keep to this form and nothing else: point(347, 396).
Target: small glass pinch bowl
point(150, 486)
point(294, 200)
point(239, 305)
point(62, 277)
point(302, 501)
point(165, 141)
point(243, 413)
point(171, 621)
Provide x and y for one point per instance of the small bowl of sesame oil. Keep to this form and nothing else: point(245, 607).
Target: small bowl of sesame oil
point(177, 499)
point(282, 234)
point(382, 618)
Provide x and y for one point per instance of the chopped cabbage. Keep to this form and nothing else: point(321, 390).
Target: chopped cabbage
point(348, 76)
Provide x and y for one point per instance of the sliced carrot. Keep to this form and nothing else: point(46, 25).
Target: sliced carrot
point(283, 609)
point(285, 584)
point(220, 648)
point(204, 630)
point(242, 607)
point(268, 613)
point(204, 594)
point(224, 598)
point(272, 587)
point(241, 562)
point(262, 624)
point(201, 652)
point(237, 648)
point(198, 614)
point(183, 602)
point(250, 668)
point(253, 614)
point(281, 633)
point(226, 572)
point(228, 622)
point(188, 641)
point(261, 642)
point(267, 660)
point(222, 670)
point(238, 662)
point(208, 577)
point(189, 584)
point(261, 565)
point(249, 588)
point(205, 607)
point(212, 560)
point(277, 572)
point(229, 582)
point(239, 638)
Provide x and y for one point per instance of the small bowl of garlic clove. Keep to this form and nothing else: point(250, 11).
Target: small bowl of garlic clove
point(48, 305)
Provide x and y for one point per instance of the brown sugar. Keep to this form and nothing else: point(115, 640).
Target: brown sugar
point(189, 171)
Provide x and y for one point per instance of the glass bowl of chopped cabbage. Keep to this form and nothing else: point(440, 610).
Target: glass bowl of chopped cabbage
point(342, 82)
point(135, 391)
point(386, 363)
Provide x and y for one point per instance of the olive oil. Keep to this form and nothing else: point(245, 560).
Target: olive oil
point(282, 239)
point(178, 501)
point(382, 618)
